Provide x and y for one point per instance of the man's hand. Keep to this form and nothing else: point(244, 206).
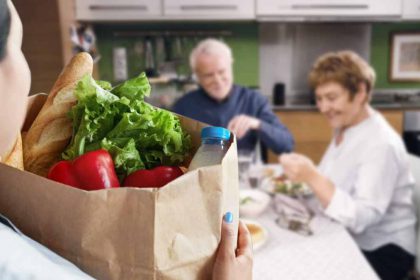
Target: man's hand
point(298, 168)
point(241, 124)
point(231, 264)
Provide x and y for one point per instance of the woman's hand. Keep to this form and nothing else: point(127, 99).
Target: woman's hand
point(298, 168)
point(233, 264)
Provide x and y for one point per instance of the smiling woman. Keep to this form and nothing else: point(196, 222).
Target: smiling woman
point(363, 180)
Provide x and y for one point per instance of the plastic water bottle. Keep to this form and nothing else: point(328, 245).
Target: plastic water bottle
point(214, 145)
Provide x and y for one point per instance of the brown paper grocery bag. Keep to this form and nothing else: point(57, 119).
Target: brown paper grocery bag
point(128, 233)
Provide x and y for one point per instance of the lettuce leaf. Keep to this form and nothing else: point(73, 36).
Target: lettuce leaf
point(136, 134)
point(133, 89)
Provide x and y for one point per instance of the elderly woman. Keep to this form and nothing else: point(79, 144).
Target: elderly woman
point(363, 180)
point(21, 257)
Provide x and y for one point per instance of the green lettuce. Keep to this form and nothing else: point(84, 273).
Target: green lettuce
point(136, 134)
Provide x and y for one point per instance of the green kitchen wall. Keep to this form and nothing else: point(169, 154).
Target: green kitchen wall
point(380, 52)
point(242, 37)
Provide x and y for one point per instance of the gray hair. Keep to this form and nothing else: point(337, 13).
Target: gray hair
point(210, 46)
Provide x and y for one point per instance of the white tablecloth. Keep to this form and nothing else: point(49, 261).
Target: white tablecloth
point(330, 253)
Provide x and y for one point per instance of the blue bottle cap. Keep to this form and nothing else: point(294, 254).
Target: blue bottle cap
point(215, 132)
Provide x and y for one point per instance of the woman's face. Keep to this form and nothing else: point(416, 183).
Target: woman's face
point(334, 101)
point(15, 80)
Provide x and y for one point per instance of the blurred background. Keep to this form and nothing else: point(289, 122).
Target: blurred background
point(274, 44)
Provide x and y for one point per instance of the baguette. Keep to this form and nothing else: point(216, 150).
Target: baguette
point(51, 130)
point(15, 157)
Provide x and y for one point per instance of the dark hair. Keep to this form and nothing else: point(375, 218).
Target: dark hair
point(4, 27)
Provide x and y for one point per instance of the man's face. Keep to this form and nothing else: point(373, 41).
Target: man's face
point(15, 80)
point(214, 74)
point(334, 101)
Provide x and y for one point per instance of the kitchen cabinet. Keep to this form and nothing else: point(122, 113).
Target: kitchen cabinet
point(329, 9)
point(209, 9)
point(141, 10)
point(312, 132)
point(122, 10)
point(411, 10)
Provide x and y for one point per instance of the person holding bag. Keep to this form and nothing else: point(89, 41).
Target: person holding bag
point(22, 257)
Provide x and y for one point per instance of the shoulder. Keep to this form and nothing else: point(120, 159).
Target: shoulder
point(250, 94)
point(385, 139)
point(186, 100)
point(387, 134)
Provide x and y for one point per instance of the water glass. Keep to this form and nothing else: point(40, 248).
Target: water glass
point(245, 159)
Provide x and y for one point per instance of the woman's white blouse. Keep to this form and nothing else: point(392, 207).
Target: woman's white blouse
point(374, 185)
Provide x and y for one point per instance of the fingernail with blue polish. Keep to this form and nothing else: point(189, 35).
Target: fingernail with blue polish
point(228, 217)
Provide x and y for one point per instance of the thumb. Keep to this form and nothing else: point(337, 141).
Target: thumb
point(227, 242)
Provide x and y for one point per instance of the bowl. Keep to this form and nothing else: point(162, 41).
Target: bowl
point(252, 203)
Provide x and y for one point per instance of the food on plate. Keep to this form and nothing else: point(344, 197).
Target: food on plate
point(246, 200)
point(252, 202)
point(52, 129)
point(156, 177)
point(91, 171)
point(82, 115)
point(283, 185)
point(258, 233)
point(268, 172)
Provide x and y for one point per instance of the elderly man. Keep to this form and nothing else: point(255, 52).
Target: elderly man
point(219, 102)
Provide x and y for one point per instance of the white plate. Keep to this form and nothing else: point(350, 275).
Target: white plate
point(257, 244)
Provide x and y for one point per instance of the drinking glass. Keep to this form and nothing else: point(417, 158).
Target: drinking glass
point(245, 159)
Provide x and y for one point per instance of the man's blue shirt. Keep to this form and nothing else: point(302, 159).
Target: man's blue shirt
point(200, 106)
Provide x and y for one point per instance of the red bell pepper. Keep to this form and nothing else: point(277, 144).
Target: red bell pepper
point(153, 178)
point(91, 171)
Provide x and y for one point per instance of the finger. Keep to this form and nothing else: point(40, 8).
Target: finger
point(244, 241)
point(284, 158)
point(246, 125)
point(232, 124)
point(237, 127)
point(227, 241)
point(242, 126)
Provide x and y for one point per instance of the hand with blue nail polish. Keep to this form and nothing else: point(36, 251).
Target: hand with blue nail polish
point(233, 264)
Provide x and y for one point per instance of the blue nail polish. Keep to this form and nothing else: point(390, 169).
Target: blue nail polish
point(228, 217)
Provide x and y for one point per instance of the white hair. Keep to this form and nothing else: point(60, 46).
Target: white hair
point(210, 46)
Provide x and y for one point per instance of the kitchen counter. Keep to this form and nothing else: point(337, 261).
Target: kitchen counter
point(384, 106)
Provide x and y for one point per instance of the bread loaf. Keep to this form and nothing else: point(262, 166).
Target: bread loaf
point(51, 130)
point(15, 157)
